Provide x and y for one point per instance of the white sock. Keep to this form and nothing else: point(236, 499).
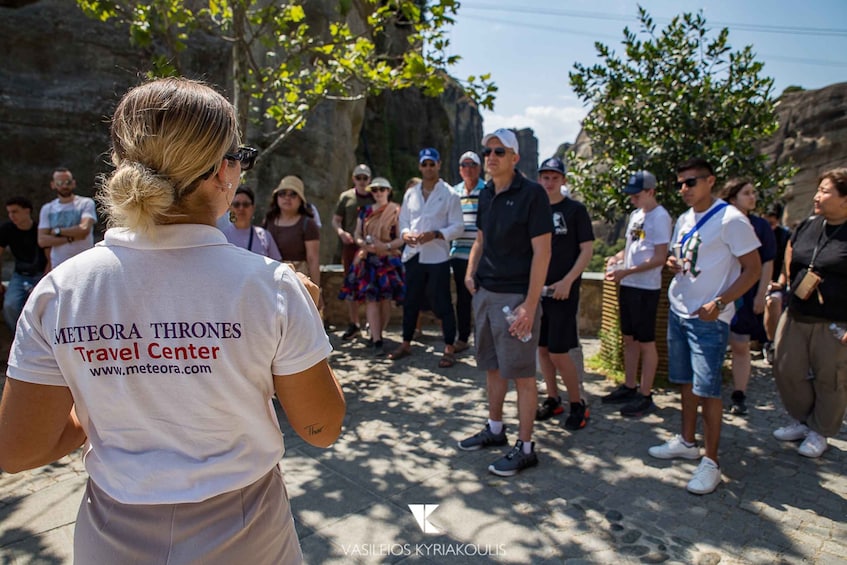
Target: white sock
point(496, 427)
point(527, 447)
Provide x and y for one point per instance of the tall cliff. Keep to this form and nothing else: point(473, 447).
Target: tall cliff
point(63, 73)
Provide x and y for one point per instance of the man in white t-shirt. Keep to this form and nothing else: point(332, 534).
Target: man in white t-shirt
point(638, 269)
point(66, 224)
point(715, 261)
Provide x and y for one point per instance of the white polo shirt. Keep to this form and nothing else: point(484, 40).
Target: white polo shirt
point(168, 342)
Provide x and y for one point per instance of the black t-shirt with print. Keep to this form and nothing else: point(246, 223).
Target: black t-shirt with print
point(571, 226)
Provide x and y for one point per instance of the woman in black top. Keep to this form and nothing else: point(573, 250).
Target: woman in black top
point(811, 346)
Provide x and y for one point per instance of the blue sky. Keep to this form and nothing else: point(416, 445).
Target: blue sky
point(529, 46)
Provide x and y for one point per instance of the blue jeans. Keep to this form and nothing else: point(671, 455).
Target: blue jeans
point(696, 350)
point(16, 294)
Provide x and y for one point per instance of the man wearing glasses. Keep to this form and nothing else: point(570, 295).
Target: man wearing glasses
point(430, 217)
point(468, 192)
point(507, 266)
point(66, 224)
point(715, 261)
point(344, 224)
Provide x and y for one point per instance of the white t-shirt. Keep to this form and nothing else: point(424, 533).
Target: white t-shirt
point(56, 214)
point(710, 263)
point(261, 243)
point(168, 342)
point(644, 232)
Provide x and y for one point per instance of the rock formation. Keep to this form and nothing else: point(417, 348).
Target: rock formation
point(813, 135)
point(63, 74)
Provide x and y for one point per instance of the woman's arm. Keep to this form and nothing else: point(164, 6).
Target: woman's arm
point(313, 260)
point(313, 403)
point(38, 425)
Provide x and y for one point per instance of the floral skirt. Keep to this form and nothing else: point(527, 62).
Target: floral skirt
point(374, 278)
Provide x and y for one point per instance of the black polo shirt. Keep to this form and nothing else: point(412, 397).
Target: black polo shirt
point(509, 221)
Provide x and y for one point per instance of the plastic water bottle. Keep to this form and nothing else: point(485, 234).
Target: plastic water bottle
point(546, 291)
point(511, 317)
point(838, 330)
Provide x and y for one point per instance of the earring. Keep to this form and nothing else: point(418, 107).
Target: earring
point(229, 186)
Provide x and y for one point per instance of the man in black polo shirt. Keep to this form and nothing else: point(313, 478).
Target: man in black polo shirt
point(20, 235)
point(506, 269)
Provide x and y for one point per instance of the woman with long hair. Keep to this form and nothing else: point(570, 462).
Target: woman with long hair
point(376, 275)
point(163, 347)
point(290, 221)
point(241, 232)
point(810, 358)
point(748, 323)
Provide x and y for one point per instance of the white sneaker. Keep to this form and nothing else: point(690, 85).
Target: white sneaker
point(791, 432)
point(813, 446)
point(706, 477)
point(674, 448)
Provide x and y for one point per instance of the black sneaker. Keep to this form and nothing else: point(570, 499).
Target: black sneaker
point(639, 407)
point(549, 408)
point(769, 352)
point(620, 395)
point(378, 349)
point(485, 438)
point(579, 416)
point(352, 331)
point(739, 403)
point(515, 461)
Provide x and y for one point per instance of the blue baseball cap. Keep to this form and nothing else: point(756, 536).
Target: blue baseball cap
point(642, 180)
point(429, 154)
point(552, 164)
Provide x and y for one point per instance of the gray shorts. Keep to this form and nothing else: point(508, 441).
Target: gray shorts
point(249, 525)
point(496, 348)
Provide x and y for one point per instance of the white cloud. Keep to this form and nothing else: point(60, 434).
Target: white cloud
point(553, 125)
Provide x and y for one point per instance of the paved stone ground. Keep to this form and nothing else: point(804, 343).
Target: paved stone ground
point(596, 497)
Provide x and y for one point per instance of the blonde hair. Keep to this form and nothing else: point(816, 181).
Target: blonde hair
point(167, 136)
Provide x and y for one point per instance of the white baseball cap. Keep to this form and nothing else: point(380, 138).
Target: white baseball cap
point(506, 136)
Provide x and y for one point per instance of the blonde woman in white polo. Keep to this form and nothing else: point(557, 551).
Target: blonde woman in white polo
point(162, 348)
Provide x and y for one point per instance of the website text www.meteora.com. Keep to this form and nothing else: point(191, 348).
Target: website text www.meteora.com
point(150, 368)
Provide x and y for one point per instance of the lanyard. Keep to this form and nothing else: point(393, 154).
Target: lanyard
point(818, 246)
point(250, 241)
point(702, 221)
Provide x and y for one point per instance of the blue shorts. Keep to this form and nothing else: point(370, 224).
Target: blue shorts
point(696, 351)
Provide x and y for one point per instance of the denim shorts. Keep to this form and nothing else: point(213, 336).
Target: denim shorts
point(696, 351)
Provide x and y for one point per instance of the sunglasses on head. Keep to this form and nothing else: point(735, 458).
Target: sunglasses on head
point(241, 204)
point(499, 151)
point(245, 155)
point(690, 182)
point(361, 177)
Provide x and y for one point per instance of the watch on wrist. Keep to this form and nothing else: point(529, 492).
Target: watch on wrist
point(721, 306)
point(388, 246)
point(57, 232)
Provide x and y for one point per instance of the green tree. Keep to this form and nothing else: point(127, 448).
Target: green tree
point(283, 66)
point(674, 95)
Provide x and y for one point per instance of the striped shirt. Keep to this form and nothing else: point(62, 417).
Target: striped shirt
point(461, 247)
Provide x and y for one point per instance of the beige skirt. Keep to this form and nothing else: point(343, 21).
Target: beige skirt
point(251, 525)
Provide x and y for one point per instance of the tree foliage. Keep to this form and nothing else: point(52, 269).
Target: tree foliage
point(283, 66)
point(673, 95)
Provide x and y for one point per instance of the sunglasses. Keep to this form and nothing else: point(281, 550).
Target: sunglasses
point(428, 164)
point(380, 189)
point(690, 182)
point(361, 177)
point(241, 204)
point(245, 155)
point(469, 165)
point(499, 151)
point(287, 193)
point(63, 182)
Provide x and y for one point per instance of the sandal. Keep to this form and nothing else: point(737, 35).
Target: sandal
point(399, 353)
point(447, 360)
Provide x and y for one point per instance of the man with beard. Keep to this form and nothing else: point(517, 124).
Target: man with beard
point(66, 224)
